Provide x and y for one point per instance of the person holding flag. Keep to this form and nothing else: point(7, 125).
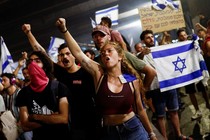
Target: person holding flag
point(161, 100)
point(191, 88)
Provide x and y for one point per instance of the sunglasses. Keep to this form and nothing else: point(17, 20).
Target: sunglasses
point(37, 60)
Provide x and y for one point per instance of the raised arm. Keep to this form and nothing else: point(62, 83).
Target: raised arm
point(21, 63)
point(90, 65)
point(32, 40)
point(199, 26)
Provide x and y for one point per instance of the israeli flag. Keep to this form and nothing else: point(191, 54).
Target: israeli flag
point(6, 58)
point(111, 12)
point(93, 23)
point(162, 4)
point(55, 42)
point(179, 64)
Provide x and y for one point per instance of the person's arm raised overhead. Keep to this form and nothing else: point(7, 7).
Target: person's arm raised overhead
point(199, 26)
point(21, 63)
point(32, 40)
point(90, 65)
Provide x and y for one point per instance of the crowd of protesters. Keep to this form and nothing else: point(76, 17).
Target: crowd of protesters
point(85, 96)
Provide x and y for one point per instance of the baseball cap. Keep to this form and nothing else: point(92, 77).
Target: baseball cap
point(102, 29)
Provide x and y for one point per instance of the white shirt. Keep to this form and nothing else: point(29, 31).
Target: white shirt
point(149, 60)
point(2, 105)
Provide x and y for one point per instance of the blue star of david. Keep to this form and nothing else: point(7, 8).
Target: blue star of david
point(181, 67)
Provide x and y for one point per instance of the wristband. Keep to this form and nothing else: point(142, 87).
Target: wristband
point(64, 31)
point(152, 134)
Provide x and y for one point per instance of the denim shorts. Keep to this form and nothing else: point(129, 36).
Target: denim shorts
point(129, 130)
point(168, 99)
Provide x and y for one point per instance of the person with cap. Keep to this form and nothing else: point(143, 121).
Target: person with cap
point(101, 36)
point(115, 95)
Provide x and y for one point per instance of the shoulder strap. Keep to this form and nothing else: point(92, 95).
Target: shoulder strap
point(99, 83)
point(133, 90)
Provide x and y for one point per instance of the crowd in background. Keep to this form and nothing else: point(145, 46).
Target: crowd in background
point(89, 97)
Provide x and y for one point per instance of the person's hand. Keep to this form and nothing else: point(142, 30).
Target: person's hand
point(26, 28)
point(198, 25)
point(61, 24)
point(24, 55)
point(21, 62)
point(166, 34)
point(146, 51)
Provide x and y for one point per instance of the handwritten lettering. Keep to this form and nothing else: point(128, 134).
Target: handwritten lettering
point(159, 21)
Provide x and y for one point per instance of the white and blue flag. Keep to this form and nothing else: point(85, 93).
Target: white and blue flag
point(179, 64)
point(93, 23)
point(162, 4)
point(6, 58)
point(111, 12)
point(55, 42)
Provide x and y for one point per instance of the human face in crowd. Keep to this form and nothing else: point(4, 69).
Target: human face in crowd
point(109, 56)
point(104, 24)
point(182, 36)
point(201, 34)
point(138, 47)
point(149, 40)
point(5, 82)
point(59, 61)
point(100, 39)
point(26, 74)
point(67, 58)
point(89, 55)
point(1, 87)
point(36, 59)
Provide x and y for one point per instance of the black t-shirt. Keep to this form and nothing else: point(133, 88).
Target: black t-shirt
point(45, 102)
point(82, 95)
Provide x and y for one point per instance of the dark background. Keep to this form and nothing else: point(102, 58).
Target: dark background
point(42, 14)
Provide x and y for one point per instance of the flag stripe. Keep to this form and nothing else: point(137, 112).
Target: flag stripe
point(106, 10)
point(53, 48)
point(203, 65)
point(173, 51)
point(114, 22)
point(51, 43)
point(4, 65)
point(181, 79)
point(111, 12)
point(9, 57)
point(179, 64)
point(6, 58)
